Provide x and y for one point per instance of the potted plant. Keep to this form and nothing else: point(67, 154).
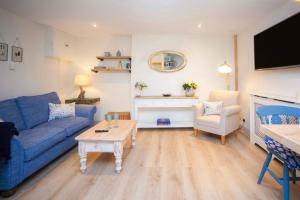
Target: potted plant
point(189, 88)
point(140, 86)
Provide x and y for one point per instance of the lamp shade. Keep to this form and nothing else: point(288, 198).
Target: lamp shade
point(224, 68)
point(82, 80)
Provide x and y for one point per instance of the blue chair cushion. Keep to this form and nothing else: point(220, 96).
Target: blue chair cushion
point(35, 109)
point(70, 124)
point(291, 158)
point(38, 140)
point(9, 112)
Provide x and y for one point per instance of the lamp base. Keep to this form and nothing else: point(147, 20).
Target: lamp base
point(81, 94)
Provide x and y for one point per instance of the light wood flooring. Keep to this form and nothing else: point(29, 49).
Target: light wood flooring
point(165, 164)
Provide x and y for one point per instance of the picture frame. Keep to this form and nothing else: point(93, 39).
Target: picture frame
point(16, 54)
point(3, 52)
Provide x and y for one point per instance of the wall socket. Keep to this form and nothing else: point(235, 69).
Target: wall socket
point(242, 122)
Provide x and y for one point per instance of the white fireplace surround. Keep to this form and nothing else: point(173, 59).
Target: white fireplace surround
point(260, 99)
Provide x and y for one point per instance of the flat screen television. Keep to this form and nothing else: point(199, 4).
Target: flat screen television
point(278, 46)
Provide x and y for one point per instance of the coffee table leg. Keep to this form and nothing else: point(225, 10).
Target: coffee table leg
point(118, 152)
point(133, 136)
point(83, 157)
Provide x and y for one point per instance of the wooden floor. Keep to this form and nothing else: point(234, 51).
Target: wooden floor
point(165, 164)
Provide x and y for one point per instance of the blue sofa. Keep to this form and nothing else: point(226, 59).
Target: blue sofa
point(39, 141)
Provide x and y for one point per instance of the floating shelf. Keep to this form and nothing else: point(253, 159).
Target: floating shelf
point(111, 70)
point(113, 58)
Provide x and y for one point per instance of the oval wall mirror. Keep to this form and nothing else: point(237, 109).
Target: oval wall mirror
point(167, 61)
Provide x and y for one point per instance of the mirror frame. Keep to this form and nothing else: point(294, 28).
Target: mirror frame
point(168, 51)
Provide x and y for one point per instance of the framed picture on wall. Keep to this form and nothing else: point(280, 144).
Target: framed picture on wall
point(3, 52)
point(17, 54)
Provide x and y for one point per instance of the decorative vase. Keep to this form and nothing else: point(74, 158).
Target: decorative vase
point(189, 92)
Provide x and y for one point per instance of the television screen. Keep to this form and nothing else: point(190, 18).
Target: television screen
point(278, 46)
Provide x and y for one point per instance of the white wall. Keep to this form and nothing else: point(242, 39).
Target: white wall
point(282, 82)
point(204, 54)
point(37, 74)
point(112, 88)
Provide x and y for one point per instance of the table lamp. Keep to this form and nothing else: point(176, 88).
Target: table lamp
point(81, 81)
point(226, 69)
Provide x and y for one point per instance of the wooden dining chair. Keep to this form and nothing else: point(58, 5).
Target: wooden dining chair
point(290, 159)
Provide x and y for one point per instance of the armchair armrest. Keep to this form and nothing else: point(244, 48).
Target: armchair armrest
point(230, 110)
point(87, 111)
point(198, 110)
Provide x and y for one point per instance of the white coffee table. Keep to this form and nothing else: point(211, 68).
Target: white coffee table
point(112, 141)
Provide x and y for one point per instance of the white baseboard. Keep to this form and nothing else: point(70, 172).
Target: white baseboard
point(244, 130)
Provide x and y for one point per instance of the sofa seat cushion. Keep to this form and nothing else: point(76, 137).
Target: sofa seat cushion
point(213, 121)
point(70, 124)
point(9, 112)
point(35, 109)
point(38, 140)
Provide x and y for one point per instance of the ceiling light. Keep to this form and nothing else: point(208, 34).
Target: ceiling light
point(297, 1)
point(95, 25)
point(199, 25)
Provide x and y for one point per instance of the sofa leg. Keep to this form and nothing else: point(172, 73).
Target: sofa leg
point(222, 139)
point(8, 193)
point(195, 132)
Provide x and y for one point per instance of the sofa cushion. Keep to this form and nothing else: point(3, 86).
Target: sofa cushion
point(9, 112)
point(38, 140)
point(213, 121)
point(35, 109)
point(70, 124)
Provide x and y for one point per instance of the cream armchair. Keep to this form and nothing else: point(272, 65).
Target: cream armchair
point(223, 124)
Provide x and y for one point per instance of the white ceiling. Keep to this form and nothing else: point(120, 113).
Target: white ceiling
point(143, 16)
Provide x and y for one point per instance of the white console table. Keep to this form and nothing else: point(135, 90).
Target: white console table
point(177, 108)
point(257, 100)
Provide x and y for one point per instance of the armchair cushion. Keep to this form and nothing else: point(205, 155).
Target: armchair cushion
point(229, 110)
point(213, 121)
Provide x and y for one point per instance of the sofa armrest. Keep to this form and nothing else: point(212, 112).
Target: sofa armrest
point(198, 110)
point(87, 111)
point(11, 172)
point(230, 110)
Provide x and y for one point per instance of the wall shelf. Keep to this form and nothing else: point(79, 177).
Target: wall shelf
point(111, 70)
point(113, 58)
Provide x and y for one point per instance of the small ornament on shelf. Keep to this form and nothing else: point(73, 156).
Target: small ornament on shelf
point(107, 54)
point(119, 54)
point(140, 86)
